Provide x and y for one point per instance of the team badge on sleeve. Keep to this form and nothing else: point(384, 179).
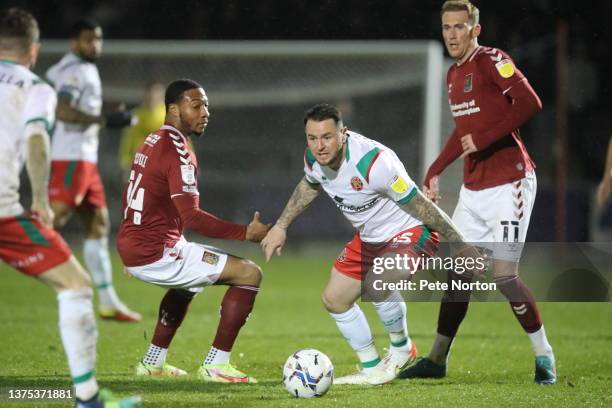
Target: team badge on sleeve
point(505, 68)
point(356, 183)
point(188, 173)
point(399, 185)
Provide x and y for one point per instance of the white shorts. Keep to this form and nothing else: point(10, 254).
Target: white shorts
point(497, 217)
point(186, 266)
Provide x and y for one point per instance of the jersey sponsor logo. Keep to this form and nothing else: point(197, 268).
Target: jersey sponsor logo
point(467, 83)
point(356, 183)
point(399, 185)
point(210, 258)
point(505, 68)
point(188, 173)
point(464, 108)
point(356, 208)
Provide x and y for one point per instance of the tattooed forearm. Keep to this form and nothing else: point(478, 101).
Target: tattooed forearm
point(302, 196)
point(432, 216)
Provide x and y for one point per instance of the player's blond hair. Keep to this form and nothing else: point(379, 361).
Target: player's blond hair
point(462, 5)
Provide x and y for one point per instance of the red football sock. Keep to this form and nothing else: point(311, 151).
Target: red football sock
point(522, 302)
point(235, 309)
point(172, 311)
point(453, 307)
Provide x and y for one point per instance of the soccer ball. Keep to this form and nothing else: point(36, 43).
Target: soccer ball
point(308, 373)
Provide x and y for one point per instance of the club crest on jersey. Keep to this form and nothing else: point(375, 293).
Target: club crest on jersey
point(505, 68)
point(210, 258)
point(188, 173)
point(356, 183)
point(467, 83)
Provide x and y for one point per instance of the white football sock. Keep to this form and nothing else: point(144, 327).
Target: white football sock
point(355, 328)
point(155, 356)
point(216, 356)
point(392, 313)
point(79, 334)
point(97, 259)
point(539, 343)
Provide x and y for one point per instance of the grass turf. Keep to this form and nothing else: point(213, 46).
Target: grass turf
point(491, 363)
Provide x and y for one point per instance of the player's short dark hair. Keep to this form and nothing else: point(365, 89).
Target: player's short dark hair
point(84, 24)
point(18, 30)
point(175, 91)
point(323, 111)
point(462, 5)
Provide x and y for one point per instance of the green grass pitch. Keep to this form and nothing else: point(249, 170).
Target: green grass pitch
point(491, 365)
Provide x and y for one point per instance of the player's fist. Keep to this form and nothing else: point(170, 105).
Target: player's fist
point(118, 119)
point(256, 230)
point(274, 241)
point(433, 191)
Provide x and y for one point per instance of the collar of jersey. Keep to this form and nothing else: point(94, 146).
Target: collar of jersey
point(169, 127)
point(5, 61)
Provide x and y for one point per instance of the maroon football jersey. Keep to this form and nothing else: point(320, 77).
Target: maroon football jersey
point(163, 167)
point(477, 96)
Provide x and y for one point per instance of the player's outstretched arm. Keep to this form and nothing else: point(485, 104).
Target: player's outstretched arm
point(37, 165)
point(302, 196)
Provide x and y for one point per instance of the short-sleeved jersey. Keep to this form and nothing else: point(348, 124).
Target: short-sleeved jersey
point(163, 167)
point(477, 97)
point(24, 98)
point(368, 188)
point(78, 80)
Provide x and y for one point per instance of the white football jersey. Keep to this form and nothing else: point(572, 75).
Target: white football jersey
point(78, 80)
point(367, 188)
point(24, 98)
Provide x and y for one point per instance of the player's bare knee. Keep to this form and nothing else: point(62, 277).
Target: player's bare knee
point(247, 272)
point(253, 274)
point(67, 276)
point(504, 271)
point(332, 304)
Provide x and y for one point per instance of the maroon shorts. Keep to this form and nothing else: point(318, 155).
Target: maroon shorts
point(29, 246)
point(357, 257)
point(76, 183)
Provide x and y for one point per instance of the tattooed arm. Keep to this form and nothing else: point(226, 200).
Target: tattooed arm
point(432, 216)
point(302, 196)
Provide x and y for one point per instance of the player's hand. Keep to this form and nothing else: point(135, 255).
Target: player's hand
point(43, 212)
point(256, 230)
point(274, 242)
point(433, 191)
point(467, 143)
